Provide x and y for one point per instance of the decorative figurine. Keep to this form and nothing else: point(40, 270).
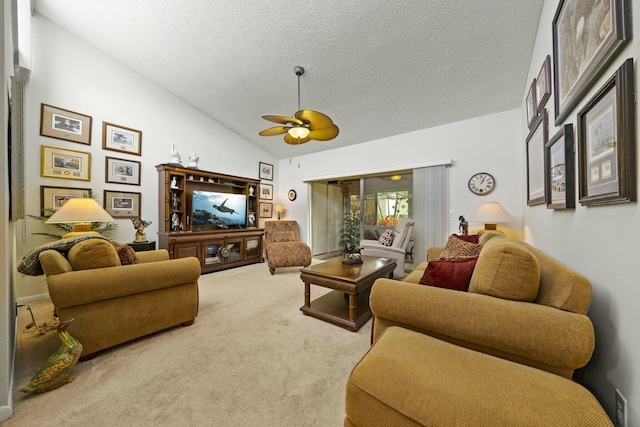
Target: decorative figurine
point(175, 222)
point(251, 220)
point(56, 371)
point(140, 224)
point(174, 183)
point(464, 226)
point(251, 191)
point(175, 156)
point(193, 161)
point(175, 201)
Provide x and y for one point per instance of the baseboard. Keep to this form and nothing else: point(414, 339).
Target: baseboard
point(32, 298)
point(5, 413)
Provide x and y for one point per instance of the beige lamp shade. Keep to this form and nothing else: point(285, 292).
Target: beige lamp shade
point(491, 213)
point(81, 213)
point(279, 209)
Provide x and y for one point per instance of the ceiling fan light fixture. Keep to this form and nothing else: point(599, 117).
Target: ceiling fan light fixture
point(298, 132)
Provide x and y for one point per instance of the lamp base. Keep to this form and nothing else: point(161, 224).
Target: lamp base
point(79, 233)
point(490, 226)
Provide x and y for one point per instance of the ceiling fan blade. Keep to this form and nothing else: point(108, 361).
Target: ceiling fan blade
point(281, 119)
point(316, 119)
point(324, 134)
point(277, 130)
point(295, 141)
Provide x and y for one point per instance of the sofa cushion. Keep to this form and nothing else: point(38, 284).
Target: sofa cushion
point(449, 274)
point(459, 249)
point(126, 253)
point(506, 270)
point(386, 239)
point(93, 253)
point(283, 236)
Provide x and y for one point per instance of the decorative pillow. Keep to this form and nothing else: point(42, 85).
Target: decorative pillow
point(506, 270)
point(456, 249)
point(449, 274)
point(471, 238)
point(283, 236)
point(94, 253)
point(126, 253)
point(387, 238)
point(370, 234)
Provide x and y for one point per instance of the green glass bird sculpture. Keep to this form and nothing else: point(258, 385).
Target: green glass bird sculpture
point(56, 371)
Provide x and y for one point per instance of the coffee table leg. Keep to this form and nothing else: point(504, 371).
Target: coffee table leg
point(307, 295)
point(353, 306)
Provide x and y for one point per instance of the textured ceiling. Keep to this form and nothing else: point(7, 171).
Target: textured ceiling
point(376, 67)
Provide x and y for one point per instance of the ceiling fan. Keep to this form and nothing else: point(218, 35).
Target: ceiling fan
point(304, 126)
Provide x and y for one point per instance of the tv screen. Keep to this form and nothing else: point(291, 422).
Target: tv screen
point(219, 209)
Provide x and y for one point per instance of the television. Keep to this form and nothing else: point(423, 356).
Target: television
point(221, 210)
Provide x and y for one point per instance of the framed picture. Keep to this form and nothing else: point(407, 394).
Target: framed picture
point(543, 84)
point(536, 142)
point(559, 170)
point(122, 139)
point(52, 198)
point(266, 171)
point(265, 210)
point(606, 142)
point(266, 191)
point(532, 111)
point(121, 204)
point(120, 171)
point(64, 124)
point(586, 37)
point(59, 162)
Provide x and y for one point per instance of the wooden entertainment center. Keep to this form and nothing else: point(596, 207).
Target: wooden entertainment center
point(219, 238)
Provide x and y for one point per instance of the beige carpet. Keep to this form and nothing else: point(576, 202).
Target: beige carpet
point(250, 358)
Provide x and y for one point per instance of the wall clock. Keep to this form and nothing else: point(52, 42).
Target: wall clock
point(481, 183)
point(292, 195)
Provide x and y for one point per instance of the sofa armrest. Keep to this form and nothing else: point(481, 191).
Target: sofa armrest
point(434, 252)
point(152, 256)
point(526, 331)
point(86, 286)
point(383, 251)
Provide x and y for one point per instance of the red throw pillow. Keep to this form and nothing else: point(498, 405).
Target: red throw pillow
point(449, 274)
point(471, 238)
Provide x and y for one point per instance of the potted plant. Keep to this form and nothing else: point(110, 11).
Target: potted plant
point(350, 238)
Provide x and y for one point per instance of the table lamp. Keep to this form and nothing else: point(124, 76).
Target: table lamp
point(491, 213)
point(80, 212)
point(279, 209)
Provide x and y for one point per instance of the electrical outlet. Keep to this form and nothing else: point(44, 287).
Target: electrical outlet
point(452, 213)
point(621, 410)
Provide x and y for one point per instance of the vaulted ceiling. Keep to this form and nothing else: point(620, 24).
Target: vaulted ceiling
point(376, 67)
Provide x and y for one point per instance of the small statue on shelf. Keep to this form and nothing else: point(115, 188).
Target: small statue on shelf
point(175, 222)
point(175, 156)
point(193, 161)
point(464, 226)
point(139, 224)
point(251, 191)
point(175, 201)
point(174, 183)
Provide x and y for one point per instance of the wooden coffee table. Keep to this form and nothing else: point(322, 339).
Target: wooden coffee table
point(348, 305)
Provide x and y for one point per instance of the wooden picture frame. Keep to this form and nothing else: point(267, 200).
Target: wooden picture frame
point(56, 162)
point(559, 170)
point(265, 210)
point(122, 204)
point(266, 191)
point(121, 171)
point(64, 124)
point(536, 142)
point(578, 64)
point(52, 198)
point(543, 84)
point(265, 171)
point(121, 139)
point(607, 144)
point(532, 111)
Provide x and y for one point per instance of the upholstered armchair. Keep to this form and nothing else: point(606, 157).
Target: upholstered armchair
point(283, 245)
point(398, 248)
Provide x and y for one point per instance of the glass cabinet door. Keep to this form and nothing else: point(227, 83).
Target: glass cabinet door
point(211, 254)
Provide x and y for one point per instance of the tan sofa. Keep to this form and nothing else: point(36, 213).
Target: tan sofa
point(447, 357)
point(114, 303)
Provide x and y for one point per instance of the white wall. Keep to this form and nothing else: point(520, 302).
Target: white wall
point(70, 74)
point(484, 144)
point(601, 243)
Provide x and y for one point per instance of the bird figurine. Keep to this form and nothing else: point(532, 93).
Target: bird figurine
point(56, 371)
point(175, 156)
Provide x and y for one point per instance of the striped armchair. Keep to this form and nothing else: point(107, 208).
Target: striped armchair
point(283, 245)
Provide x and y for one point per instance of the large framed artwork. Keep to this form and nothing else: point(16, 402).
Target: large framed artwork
point(52, 198)
point(559, 170)
point(56, 162)
point(587, 35)
point(606, 142)
point(122, 139)
point(120, 171)
point(536, 142)
point(121, 204)
point(64, 124)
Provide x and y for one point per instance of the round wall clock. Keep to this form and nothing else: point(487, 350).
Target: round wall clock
point(292, 195)
point(481, 183)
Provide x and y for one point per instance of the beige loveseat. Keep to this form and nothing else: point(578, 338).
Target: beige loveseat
point(446, 357)
point(114, 303)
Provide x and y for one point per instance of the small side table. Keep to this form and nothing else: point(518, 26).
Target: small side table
point(143, 246)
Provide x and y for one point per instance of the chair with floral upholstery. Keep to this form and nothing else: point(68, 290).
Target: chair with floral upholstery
point(283, 245)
